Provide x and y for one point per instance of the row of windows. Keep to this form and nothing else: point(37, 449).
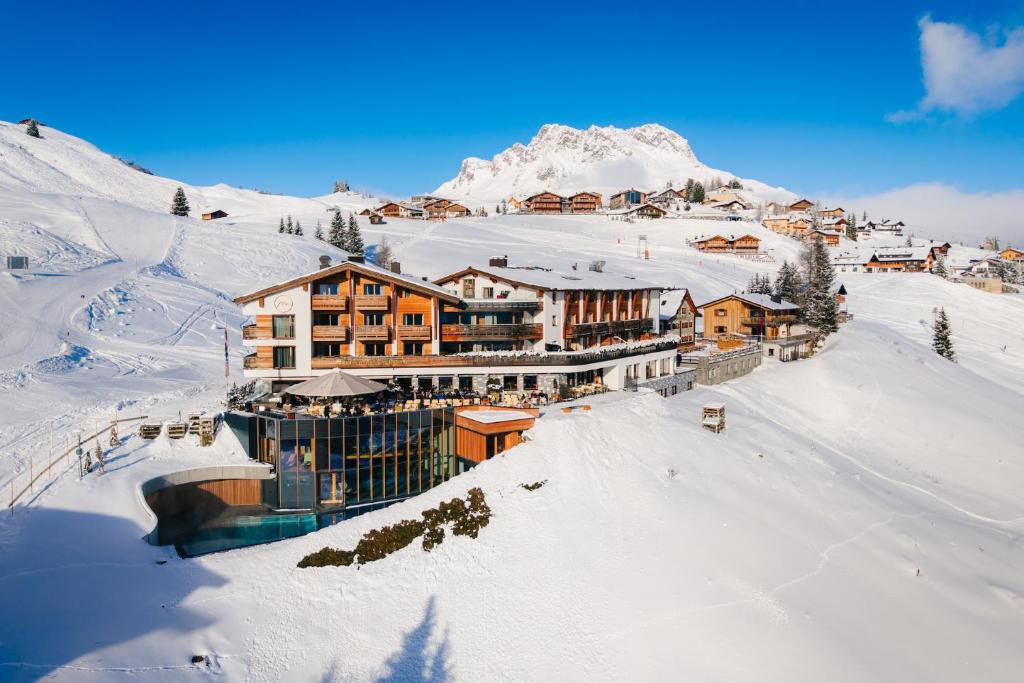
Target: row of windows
point(369, 289)
point(284, 325)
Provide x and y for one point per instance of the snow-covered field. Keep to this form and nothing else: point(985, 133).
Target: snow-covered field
point(859, 520)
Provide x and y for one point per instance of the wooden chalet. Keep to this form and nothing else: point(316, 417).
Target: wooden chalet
point(776, 223)
point(627, 198)
point(744, 244)
point(837, 212)
point(455, 210)
point(678, 315)
point(901, 260)
point(435, 208)
point(830, 238)
point(645, 210)
point(748, 314)
point(375, 218)
point(389, 210)
point(584, 202)
point(801, 205)
point(1008, 254)
point(367, 212)
point(214, 215)
point(775, 208)
point(543, 203)
point(731, 205)
point(513, 203)
point(798, 225)
point(665, 197)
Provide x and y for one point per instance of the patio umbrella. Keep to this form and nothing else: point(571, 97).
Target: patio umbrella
point(335, 383)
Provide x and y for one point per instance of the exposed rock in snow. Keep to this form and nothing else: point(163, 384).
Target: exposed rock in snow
point(566, 160)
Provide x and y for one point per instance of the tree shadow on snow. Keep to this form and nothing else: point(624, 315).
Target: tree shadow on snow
point(76, 586)
point(417, 660)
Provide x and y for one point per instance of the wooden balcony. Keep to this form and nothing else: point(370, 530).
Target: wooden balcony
point(329, 302)
point(613, 327)
point(330, 333)
point(414, 332)
point(471, 332)
point(254, 332)
point(373, 332)
point(503, 305)
point(372, 302)
point(769, 321)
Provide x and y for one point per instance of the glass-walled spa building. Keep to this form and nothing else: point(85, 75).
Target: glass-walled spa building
point(338, 463)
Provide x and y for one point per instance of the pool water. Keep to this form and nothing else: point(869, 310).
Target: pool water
point(247, 530)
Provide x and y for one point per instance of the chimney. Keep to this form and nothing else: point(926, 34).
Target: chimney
point(396, 267)
point(777, 298)
point(356, 259)
point(498, 262)
point(325, 261)
point(424, 278)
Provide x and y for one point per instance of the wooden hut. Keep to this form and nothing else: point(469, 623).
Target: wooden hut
point(214, 215)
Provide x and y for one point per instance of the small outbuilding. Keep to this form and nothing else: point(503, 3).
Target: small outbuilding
point(214, 215)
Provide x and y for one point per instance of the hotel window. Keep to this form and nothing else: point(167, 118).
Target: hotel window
point(284, 327)
point(327, 288)
point(412, 348)
point(404, 293)
point(326, 349)
point(529, 382)
point(375, 349)
point(488, 292)
point(720, 329)
point(412, 318)
point(468, 288)
point(321, 318)
point(284, 357)
point(554, 321)
point(719, 312)
point(373, 289)
point(373, 318)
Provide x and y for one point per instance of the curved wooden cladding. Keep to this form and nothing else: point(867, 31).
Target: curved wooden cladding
point(468, 332)
point(330, 302)
point(375, 302)
point(330, 333)
point(414, 332)
point(373, 332)
point(498, 305)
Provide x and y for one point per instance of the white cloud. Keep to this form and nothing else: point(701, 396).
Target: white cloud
point(940, 211)
point(964, 74)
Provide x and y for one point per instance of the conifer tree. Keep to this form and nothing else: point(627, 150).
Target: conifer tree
point(698, 194)
point(940, 268)
point(298, 228)
point(787, 283)
point(851, 226)
point(820, 308)
point(289, 227)
point(280, 226)
point(33, 130)
point(319, 232)
point(353, 238)
point(942, 341)
point(179, 205)
point(336, 235)
point(688, 189)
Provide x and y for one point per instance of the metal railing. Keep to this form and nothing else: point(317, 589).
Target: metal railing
point(25, 482)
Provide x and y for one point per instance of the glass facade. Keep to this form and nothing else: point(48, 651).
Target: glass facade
point(333, 463)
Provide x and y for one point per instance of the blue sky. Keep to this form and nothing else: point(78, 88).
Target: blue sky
point(392, 96)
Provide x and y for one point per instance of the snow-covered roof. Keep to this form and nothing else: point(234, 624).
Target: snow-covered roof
point(672, 300)
point(759, 300)
point(902, 253)
point(546, 278)
point(495, 416)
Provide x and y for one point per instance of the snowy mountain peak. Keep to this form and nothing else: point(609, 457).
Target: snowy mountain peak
point(565, 159)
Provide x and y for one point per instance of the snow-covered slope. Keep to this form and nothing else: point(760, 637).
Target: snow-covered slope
point(567, 160)
point(785, 549)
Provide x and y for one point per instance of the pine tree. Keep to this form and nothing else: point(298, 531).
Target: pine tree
point(319, 232)
point(179, 205)
point(289, 227)
point(851, 226)
point(942, 342)
point(697, 196)
point(820, 308)
point(298, 228)
point(787, 283)
point(280, 227)
point(336, 235)
point(940, 268)
point(353, 238)
point(33, 130)
point(688, 189)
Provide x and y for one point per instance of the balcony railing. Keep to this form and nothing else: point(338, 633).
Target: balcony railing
point(492, 360)
point(768, 321)
point(253, 332)
point(330, 333)
point(606, 327)
point(372, 332)
point(334, 302)
point(504, 305)
point(371, 301)
point(528, 331)
point(414, 332)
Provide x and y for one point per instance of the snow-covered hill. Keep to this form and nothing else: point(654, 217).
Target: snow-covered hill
point(603, 159)
point(785, 549)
